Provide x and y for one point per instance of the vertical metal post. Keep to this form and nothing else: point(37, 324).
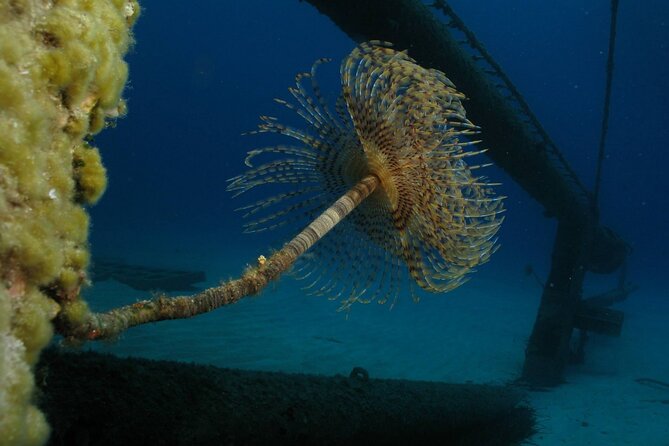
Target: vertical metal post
point(547, 351)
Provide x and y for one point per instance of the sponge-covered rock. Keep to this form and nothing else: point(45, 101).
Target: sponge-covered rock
point(62, 74)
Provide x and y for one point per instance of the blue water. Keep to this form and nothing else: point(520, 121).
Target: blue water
point(201, 73)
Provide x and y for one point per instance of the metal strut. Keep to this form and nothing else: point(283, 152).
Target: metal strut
point(494, 71)
point(607, 101)
point(517, 143)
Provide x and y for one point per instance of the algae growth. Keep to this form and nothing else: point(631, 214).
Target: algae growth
point(62, 74)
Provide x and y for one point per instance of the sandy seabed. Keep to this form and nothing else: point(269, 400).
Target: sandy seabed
point(474, 334)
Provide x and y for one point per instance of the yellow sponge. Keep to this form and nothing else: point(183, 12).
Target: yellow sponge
point(61, 77)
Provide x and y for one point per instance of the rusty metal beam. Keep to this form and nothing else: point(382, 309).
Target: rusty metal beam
point(515, 141)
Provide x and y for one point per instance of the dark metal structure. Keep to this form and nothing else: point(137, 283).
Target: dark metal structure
point(99, 399)
point(516, 142)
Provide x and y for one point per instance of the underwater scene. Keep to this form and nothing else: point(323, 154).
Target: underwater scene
point(334, 222)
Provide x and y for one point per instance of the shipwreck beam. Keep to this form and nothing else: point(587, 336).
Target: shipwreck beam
point(515, 141)
point(91, 398)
